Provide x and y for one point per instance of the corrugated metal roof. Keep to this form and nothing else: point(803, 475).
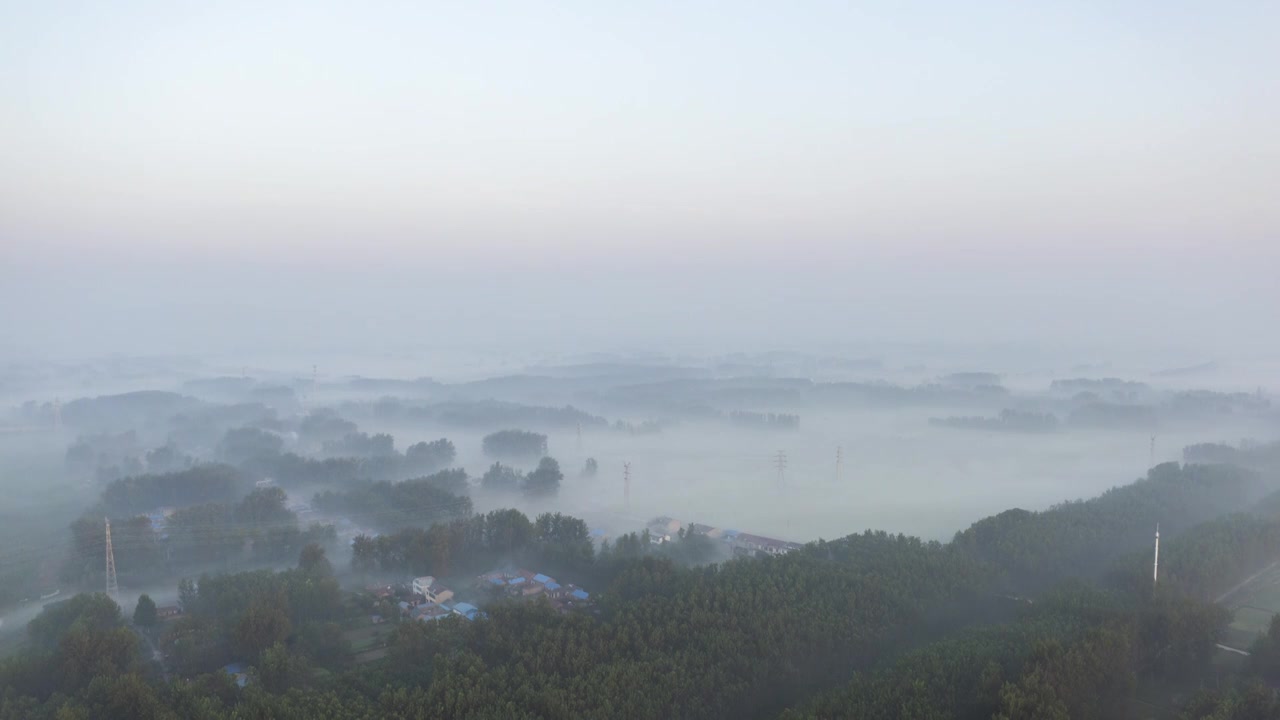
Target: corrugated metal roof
point(541, 578)
point(581, 594)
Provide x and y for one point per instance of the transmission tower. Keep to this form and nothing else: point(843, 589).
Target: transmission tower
point(781, 463)
point(1155, 566)
point(579, 437)
point(113, 588)
point(1151, 458)
point(839, 459)
point(626, 483)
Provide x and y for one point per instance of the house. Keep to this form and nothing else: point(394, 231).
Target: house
point(159, 525)
point(466, 610)
point(431, 589)
point(580, 594)
point(238, 673)
point(746, 544)
point(431, 611)
point(420, 584)
point(664, 526)
point(168, 612)
point(380, 591)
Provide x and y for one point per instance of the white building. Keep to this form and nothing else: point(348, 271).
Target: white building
point(429, 588)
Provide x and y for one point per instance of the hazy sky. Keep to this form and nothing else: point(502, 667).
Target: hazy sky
point(892, 167)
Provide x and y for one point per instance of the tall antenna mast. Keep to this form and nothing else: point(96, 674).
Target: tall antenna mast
point(113, 588)
point(1151, 462)
point(1155, 567)
point(626, 483)
point(579, 436)
point(839, 459)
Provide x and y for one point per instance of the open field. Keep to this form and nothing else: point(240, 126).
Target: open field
point(366, 637)
point(1253, 604)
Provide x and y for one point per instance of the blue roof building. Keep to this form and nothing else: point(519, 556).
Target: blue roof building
point(466, 610)
point(497, 581)
point(540, 578)
point(237, 673)
point(553, 585)
point(580, 594)
point(515, 581)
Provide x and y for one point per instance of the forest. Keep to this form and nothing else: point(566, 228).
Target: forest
point(869, 625)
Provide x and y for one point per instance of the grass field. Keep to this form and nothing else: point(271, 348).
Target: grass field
point(1253, 605)
point(366, 637)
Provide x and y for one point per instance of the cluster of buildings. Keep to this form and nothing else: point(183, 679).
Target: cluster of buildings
point(428, 599)
point(160, 522)
point(525, 584)
point(663, 529)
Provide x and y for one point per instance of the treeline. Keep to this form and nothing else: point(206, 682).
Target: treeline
point(723, 641)
point(368, 457)
point(514, 445)
point(749, 638)
point(1208, 559)
point(1079, 651)
point(481, 414)
point(82, 661)
point(1006, 421)
point(387, 505)
point(1076, 653)
point(1252, 455)
point(543, 481)
point(1080, 539)
point(210, 483)
point(475, 544)
point(255, 529)
point(282, 623)
point(769, 421)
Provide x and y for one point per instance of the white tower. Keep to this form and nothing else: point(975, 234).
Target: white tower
point(1155, 568)
point(113, 588)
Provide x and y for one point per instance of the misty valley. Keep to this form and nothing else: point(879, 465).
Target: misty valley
point(773, 536)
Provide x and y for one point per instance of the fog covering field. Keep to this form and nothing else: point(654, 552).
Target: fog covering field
point(898, 471)
point(207, 471)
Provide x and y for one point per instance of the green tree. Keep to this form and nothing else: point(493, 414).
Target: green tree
point(144, 615)
point(264, 624)
point(313, 562)
point(545, 480)
point(501, 478)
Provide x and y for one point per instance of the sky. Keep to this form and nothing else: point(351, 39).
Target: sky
point(195, 176)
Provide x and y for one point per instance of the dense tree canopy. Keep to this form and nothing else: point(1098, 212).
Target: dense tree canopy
point(514, 445)
point(872, 625)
